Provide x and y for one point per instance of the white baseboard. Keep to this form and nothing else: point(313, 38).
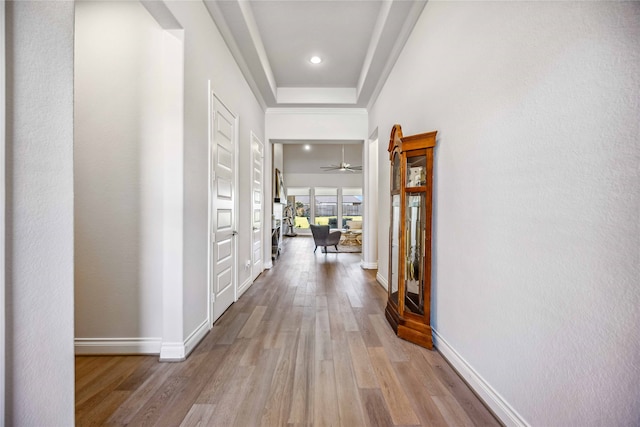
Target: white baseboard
point(178, 351)
point(175, 351)
point(268, 265)
point(100, 346)
point(369, 265)
point(382, 281)
point(492, 398)
point(172, 352)
point(243, 288)
point(196, 336)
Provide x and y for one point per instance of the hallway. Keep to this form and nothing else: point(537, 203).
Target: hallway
point(307, 344)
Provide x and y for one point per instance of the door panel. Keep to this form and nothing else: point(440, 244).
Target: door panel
point(257, 164)
point(223, 286)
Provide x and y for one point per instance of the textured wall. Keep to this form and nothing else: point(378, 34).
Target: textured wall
point(207, 58)
point(118, 171)
point(536, 229)
point(39, 347)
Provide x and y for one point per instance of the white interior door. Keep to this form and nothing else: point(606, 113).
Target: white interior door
point(257, 165)
point(223, 286)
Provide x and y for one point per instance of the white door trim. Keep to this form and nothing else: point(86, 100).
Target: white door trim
point(3, 193)
point(370, 223)
point(213, 98)
point(209, 194)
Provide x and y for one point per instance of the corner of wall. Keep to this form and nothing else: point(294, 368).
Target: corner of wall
point(178, 351)
point(369, 265)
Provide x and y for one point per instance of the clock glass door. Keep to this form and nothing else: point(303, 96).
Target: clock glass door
point(414, 253)
point(395, 248)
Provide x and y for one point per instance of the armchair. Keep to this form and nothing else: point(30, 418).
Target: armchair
point(322, 236)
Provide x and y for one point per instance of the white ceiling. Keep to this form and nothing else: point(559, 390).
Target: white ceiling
point(272, 41)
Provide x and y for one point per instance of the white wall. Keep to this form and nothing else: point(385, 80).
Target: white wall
point(536, 232)
point(316, 124)
point(39, 251)
point(207, 58)
point(119, 163)
point(118, 173)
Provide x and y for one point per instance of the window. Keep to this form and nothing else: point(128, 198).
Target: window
point(352, 206)
point(326, 206)
point(330, 206)
point(299, 198)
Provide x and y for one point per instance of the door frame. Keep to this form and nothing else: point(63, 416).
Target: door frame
point(370, 217)
point(213, 97)
point(3, 190)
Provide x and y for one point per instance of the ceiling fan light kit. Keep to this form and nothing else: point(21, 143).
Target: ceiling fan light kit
point(342, 167)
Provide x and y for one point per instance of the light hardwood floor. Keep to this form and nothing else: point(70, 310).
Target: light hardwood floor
point(307, 344)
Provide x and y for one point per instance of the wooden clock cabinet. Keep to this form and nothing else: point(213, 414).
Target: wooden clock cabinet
point(409, 296)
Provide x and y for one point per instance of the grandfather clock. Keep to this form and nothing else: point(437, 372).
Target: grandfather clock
point(409, 300)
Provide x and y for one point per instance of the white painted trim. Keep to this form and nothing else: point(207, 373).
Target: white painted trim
point(245, 286)
point(316, 111)
point(172, 352)
point(254, 138)
point(369, 265)
point(178, 351)
point(97, 346)
point(196, 336)
point(393, 55)
point(252, 27)
point(173, 194)
point(236, 199)
point(268, 265)
point(3, 193)
point(378, 29)
point(370, 187)
point(382, 281)
point(225, 31)
point(210, 296)
point(162, 14)
point(491, 397)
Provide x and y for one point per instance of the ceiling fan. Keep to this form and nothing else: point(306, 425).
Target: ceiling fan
point(343, 166)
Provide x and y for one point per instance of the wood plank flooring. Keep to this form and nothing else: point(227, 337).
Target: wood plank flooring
point(307, 344)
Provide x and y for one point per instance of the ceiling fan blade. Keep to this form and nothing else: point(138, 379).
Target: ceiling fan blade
point(343, 166)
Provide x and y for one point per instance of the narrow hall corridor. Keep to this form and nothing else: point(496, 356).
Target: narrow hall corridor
point(307, 344)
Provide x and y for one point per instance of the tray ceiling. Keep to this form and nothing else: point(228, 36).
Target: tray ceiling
point(358, 41)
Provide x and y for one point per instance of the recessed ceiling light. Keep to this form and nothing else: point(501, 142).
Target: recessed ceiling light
point(307, 147)
point(315, 60)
